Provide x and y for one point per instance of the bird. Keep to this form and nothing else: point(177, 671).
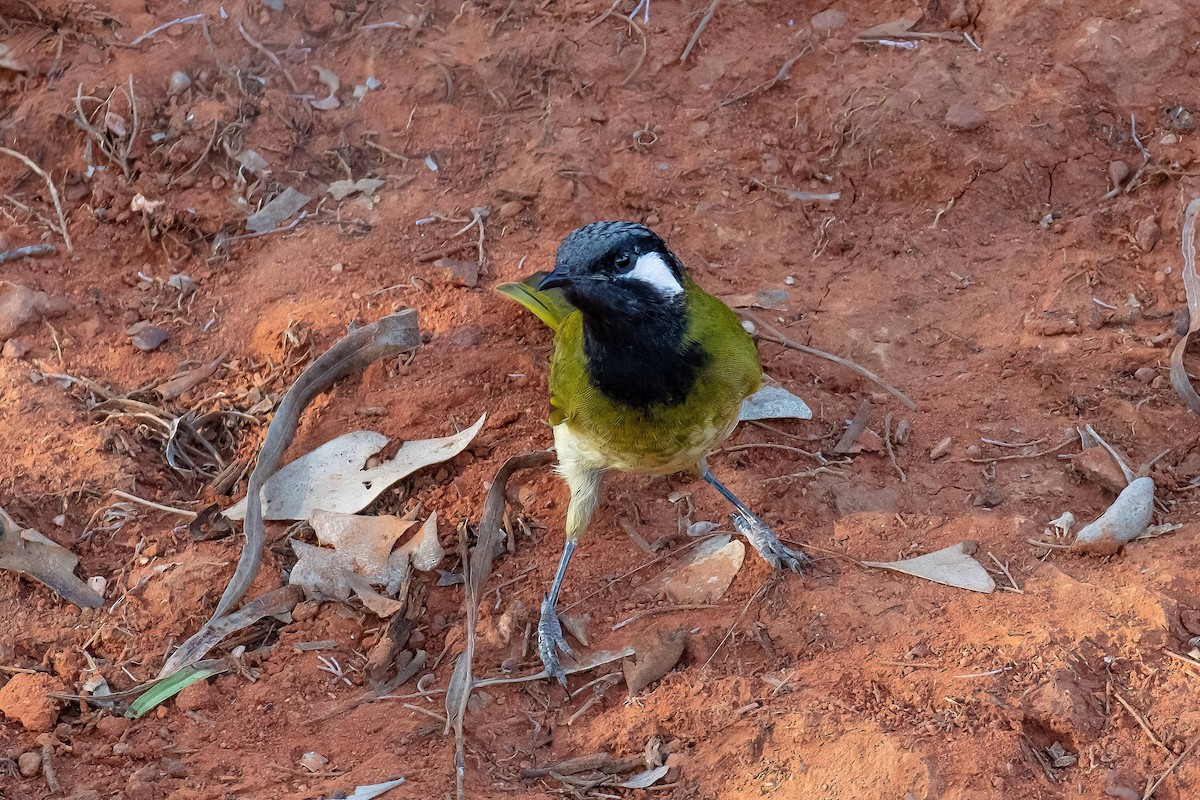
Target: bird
point(648, 375)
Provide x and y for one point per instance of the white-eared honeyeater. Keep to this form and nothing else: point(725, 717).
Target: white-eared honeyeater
point(648, 375)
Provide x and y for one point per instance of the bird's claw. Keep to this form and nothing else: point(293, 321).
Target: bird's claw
point(763, 539)
point(550, 640)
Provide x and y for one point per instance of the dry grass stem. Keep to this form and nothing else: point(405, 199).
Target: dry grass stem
point(62, 220)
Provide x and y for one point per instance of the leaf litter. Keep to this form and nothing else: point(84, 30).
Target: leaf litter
point(28, 552)
point(951, 566)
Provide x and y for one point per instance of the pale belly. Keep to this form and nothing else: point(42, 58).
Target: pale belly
point(579, 450)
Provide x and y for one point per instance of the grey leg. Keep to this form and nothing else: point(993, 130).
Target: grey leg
point(550, 635)
point(761, 537)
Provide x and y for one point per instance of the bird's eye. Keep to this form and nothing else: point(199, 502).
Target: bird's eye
point(623, 262)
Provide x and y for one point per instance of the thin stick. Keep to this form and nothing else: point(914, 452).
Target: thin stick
point(1016, 587)
point(1141, 721)
point(664, 609)
point(887, 441)
point(857, 426)
point(707, 18)
point(164, 26)
point(782, 75)
point(773, 335)
point(758, 594)
point(274, 58)
point(1150, 790)
point(27, 250)
point(769, 446)
point(151, 504)
point(918, 664)
point(1054, 449)
point(62, 220)
point(1011, 444)
point(1128, 473)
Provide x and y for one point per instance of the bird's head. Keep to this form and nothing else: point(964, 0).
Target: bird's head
point(612, 270)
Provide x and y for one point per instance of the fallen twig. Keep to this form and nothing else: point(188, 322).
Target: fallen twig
point(887, 442)
point(1170, 768)
point(649, 612)
point(27, 250)
point(1054, 449)
point(773, 335)
point(1016, 587)
point(181, 21)
point(782, 75)
point(855, 428)
point(707, 18)
point(62, 220)
point(250, 40)
point(1141, 721)
point(151, 504)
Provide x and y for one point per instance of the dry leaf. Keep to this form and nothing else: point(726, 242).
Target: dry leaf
point(706, 573)
point(1122, 522)
point(653, 660)
point(645, 779)
point(340, 190)
point(773, 402)
point(333, 84)
point(1191, 285)
point(270, 216)
point(332, 476)
point(952, 566)
point(772, 299)
point(28, 552)
point(351, 545)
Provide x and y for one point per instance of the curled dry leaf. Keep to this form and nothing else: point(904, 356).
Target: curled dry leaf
point(332, 477)
point(1122, 522)
point(952, 566)
point(28, 552)
point(356, 555)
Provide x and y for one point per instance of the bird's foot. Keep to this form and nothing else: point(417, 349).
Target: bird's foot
point(764, 540)
point(550, 641)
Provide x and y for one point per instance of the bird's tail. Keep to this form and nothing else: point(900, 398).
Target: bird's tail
point(549, 305)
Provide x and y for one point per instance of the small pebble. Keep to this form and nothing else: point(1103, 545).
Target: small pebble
point(790, 280)
point(974, 451)
point(1118, 171)
point(964, 116)
point(338, 269)
point(510, 209)
point(29, 763)
point(149, 338)
point(1146, 374)
point(1147, 234)
point(179, 82)
point(900, 435)
point(941, 449)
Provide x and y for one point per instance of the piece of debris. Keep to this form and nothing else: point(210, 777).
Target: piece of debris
point(951, 566)
point(367, 187)
point(462, 272)
point(1147, 234)
point(273, 214)
point(313, 761)
point(644, 780)
point(706, 573)
point(28, 552)
point(252, 162)
point(20, 304)
point(1096, 465)
point(16, 347)
point(332, 477)
point(1061, 526)
point(148, 337)
point(178, 82)
point(183, 382)
point(371, 791)
point(941, 449)
point(332, 83)
point(1124, 520)
point(965, 116)
point(652, 660)
point(768, 299)
point(356, 554)
point(773, 402)
point(29, 763)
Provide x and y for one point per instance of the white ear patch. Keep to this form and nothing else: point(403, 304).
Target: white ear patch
point(652, 269)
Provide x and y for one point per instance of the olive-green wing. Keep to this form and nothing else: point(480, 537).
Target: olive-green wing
point(549, 305)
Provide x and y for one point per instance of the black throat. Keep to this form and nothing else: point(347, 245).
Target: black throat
point(641, 360)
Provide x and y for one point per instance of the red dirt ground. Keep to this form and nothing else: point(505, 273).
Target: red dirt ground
point(962, 263)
